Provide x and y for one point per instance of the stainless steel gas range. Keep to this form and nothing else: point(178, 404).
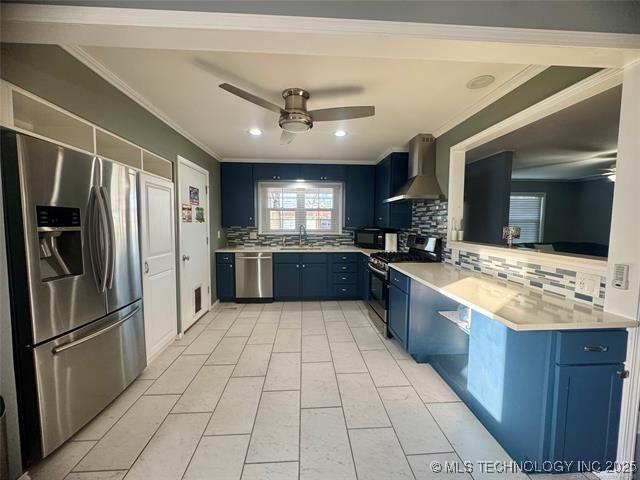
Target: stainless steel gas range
point(421, 249)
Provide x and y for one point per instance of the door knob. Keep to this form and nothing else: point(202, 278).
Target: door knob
point(186, 258)
point(146, 267)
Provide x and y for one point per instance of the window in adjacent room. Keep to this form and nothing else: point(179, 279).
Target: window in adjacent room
point(526, 210)
point(284, 206)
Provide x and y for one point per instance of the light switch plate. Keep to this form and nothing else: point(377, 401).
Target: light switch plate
point(587, 284)
point(218, 234)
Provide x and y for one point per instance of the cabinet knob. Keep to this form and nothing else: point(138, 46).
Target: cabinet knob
point(304, 266)
point(297, 266)
point(344, 289)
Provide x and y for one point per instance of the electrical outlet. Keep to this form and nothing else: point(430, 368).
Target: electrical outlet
point(455, 255)
point(587, 284)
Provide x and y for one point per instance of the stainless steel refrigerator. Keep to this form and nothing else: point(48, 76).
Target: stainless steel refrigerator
point(74, 261)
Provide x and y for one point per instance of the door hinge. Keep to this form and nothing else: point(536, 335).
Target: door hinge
point(206, 190)
point(623, 374)
point(207, 240)
point(208, 289)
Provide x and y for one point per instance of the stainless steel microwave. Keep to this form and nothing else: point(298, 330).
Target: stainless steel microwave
point(372, 238)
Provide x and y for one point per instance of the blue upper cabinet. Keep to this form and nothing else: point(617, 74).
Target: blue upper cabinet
point(237, 190)
point(335, 173)
point(390, 174)
point(276, 171)
point(359, 196)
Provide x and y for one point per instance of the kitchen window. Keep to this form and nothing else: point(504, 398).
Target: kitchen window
point(526, 210)
point(284, 206)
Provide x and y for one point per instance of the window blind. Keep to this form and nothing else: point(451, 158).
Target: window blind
point(284, 206)
point(526, 210)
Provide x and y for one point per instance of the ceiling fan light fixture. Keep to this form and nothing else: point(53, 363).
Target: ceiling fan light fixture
point(296, 122)
point(340, 133)
point(256, 132)
point(480, 81)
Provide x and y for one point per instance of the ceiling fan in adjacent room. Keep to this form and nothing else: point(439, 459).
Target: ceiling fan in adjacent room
point(294, 117)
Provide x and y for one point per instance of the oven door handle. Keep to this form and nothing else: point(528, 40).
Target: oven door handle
point(378, 271)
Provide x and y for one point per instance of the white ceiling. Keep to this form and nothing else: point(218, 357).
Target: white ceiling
point(575, 143)
point(410, 96)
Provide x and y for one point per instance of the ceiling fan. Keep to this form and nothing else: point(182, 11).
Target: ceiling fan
point(294, 117)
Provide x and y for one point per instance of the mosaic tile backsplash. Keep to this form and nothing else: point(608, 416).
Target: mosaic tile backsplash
point(430, 219)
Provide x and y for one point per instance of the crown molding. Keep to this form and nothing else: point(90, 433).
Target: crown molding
point(97, 67)
point(298, 160)
point(501, 90)
point(389, 151)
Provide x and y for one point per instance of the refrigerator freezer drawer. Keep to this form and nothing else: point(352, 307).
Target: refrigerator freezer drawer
point(79, 374)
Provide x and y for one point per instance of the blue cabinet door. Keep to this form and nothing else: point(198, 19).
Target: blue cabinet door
point(398, 314)
point(359, 196)
point(314, 280)
point(237, 191)
point(225, 282)
point(322, 172)
point(381, 209)
point(286, 281)
point(276, 171)
point(587, 412)
point(364, 277)
point(391, 174)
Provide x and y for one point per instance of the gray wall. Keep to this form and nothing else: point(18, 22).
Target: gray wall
point(622, 16)
point(547, 83)
point(51, 73)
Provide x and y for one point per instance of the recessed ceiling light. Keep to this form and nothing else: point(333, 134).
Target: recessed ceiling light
point(340, 133)
point(255, 132)
point(480, 82)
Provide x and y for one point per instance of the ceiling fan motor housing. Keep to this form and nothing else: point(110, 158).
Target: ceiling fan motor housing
point(296, 120)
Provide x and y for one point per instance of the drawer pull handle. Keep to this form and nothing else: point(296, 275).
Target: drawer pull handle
point(344, 289)
point(596, 348)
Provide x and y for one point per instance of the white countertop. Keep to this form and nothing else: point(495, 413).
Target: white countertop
point(324, 249)
point(519, 308)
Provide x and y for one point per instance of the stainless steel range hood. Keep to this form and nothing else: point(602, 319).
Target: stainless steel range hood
point(422, 183)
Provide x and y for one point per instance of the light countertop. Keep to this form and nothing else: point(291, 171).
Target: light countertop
point(517, 307)
point(324, 249)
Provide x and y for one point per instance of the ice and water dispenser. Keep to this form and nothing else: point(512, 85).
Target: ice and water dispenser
point(59, 242)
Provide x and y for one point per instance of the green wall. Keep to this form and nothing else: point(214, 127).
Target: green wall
point(53, 74)
point(543, 85)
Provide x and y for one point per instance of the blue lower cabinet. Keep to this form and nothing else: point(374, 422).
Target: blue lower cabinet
point(398, 314)
point(286, 281)
point(344, 292)
point(225, 282)
point(363, 273)
point(546, 396)
point(314, 280)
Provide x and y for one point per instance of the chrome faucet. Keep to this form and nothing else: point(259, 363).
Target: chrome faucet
point(303, 231)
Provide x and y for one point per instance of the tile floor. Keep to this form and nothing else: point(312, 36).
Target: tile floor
point(279, 392)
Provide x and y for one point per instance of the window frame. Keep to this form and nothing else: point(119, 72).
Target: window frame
point(338, 199)
point(543, 204)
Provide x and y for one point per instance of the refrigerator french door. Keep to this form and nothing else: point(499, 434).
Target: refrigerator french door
point(73, 252)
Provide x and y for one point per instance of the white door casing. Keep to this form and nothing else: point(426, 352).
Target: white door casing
point(194, 256)
point(158, 254)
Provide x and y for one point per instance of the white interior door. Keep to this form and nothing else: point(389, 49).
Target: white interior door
point(195, 280)
point(158, 255)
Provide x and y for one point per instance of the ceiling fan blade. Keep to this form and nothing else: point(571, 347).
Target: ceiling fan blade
point(341, 113)
point(250, 97)
point(286, 137)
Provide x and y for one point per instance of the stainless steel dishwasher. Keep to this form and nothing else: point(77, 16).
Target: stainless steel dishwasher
point(254, 277)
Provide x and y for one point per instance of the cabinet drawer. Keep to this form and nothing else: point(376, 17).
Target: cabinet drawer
point(591, 346)
point(313, 257)
point(344, 257)
point(286, 258)
point(224, 257)
point(345, 267)
point(345, 278)
point(344, 291)
point(399, 280)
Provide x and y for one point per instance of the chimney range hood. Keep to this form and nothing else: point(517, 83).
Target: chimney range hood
point(422, 183)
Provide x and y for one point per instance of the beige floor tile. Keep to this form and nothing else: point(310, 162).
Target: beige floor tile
point(119, 448)
point(288, 340)
point(61, 462)
point(271, 471)
point(360, 401)
point(222, 322)
point(190, 335)
point(313, 325)
point(204, 391)
point(378, 455)
point(253, 362)
point(276, 434)
point(228, 351)
point(319, 386)
point(237, 407)
point(291, 320)
point(177, 377)
point(338, 332)
point(169, 451)
point(242, 327)
point(219, 457)
point(384, 370)
point(161, 362)
point(113, 475)
point(429, 385)
point(283, 372)
point(325, 452)
point(367, 338)
point(263, 334)
point(422, 466)
point(110, 415)
point(315, 348)
point(347, 358)
point(205, 343)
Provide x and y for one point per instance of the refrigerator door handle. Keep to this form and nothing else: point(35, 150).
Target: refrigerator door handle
point(67, 346)
point(95, 237)
point(111, 240)
point(103, 239)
